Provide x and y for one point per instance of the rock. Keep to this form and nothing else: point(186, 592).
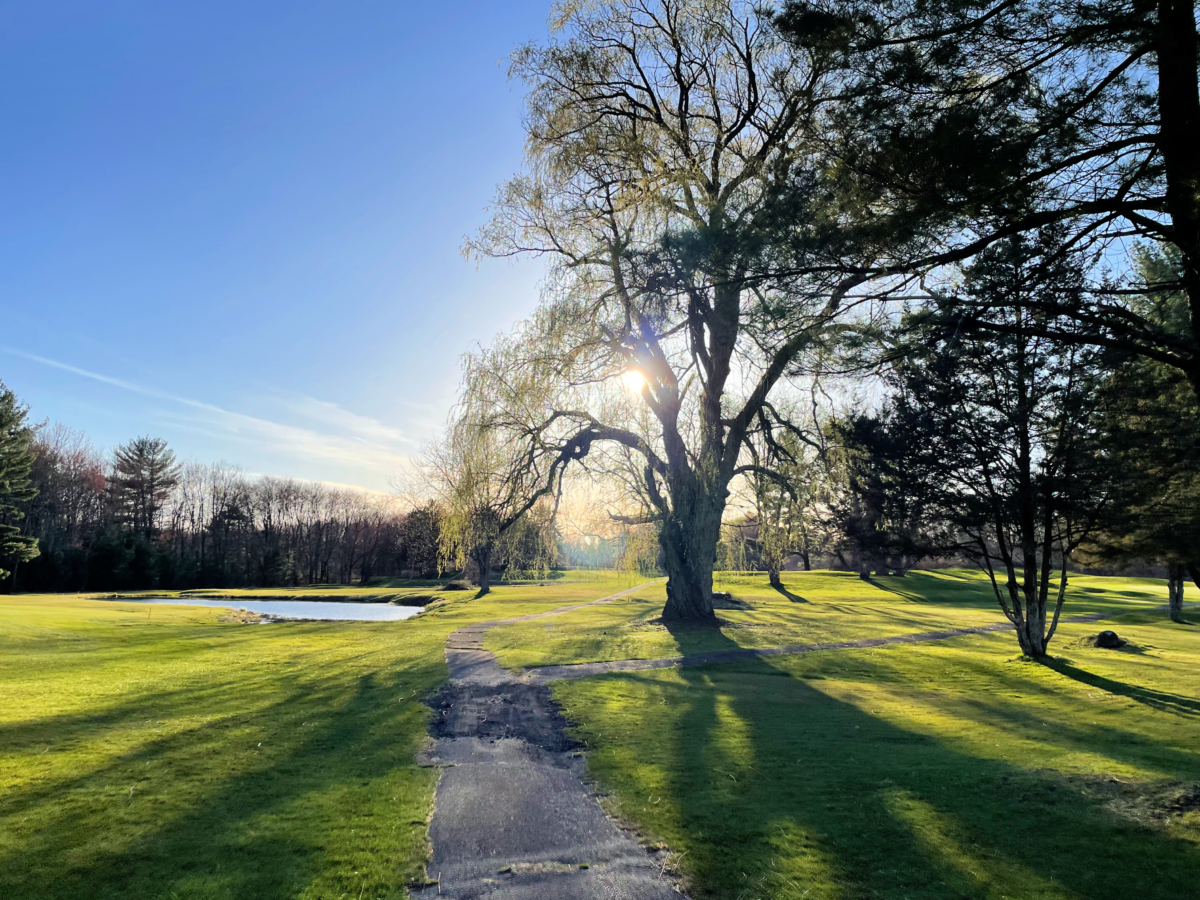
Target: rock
point(722, 595)
point(1109, 640)
point(456, 586)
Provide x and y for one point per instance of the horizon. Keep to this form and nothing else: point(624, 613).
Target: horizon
point(225, 235)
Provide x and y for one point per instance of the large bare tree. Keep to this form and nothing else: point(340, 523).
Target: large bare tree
point(675, 161)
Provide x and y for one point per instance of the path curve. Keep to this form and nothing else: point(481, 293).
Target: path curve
point(513, 817)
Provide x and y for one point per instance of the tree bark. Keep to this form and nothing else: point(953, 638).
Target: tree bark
point(689, 541)
point(1031, 632)
point(773, 576)
point(1179, 136)
point(482, 557)
point(1176, 573)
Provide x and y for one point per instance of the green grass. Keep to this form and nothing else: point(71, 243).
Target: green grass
point(943, 770)
point(168, 752)
point(171, 753)
point(831, 606)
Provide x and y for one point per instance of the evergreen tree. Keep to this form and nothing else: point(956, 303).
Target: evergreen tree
point(1004, 424)
point(16, 462)
point(1151, 429)
point(144, 474)
point(878, 500)
point(973, 120)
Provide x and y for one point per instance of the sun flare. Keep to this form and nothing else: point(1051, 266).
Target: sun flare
point(634, 380)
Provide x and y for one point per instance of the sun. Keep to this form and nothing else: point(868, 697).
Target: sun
point(634, 380)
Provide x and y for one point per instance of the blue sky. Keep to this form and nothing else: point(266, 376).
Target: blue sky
point(238, 225)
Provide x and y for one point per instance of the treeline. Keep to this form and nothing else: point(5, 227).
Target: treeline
point(139, 518)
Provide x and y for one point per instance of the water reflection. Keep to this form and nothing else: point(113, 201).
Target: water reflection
point(300, 609)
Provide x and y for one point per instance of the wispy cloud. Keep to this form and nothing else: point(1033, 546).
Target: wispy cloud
point(364, 427)
point(359, 440)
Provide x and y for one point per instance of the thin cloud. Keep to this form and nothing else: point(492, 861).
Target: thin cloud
point(368, 429)
point(304, 443)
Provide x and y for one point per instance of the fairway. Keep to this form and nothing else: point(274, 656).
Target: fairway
point(164, 752)
point(173, 752)
point(946, 770)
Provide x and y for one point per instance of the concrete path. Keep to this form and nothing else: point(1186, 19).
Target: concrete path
point(514, 819)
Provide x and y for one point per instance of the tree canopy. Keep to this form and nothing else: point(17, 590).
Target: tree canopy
point(677, 165)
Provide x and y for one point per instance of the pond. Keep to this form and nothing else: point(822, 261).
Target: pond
point(301, 609)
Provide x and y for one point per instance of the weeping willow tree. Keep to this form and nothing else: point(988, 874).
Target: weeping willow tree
point(676, 157)
point(496, 496)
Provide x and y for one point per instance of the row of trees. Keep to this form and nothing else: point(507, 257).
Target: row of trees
point(990, 211)
point(1010, 450)
point(73, 519)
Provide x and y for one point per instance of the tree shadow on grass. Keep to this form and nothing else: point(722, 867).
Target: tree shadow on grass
point(784, 791)
point(1163, 701)
point(265, 804)
point(795, 598)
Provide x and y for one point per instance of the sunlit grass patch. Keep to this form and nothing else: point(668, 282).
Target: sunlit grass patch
point(162, 752)
point(944, 770)
point(835, 606)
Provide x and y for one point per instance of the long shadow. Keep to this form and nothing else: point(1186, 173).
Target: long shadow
point(795, 598)
point(1160, 700)
point(780, 787)
point(303, 774)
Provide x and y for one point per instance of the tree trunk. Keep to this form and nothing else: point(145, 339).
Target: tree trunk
point(807, 561)
point(1031, 633)
point(1175, 581)
point(689, 543)
point(1179, 133)
point(482, 557)
point(773, 575)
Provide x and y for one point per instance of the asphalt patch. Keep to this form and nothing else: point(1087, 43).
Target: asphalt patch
point(514, 818)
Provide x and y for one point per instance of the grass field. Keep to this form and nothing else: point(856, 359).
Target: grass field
point(164, 753)
point(173, 753)
point(828, 606)
point(943, 770)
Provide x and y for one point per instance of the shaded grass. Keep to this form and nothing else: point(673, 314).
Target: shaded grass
point(840, 607)
point(165, 753)
point(942, 770)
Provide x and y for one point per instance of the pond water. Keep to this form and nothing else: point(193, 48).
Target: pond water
point(301, 609)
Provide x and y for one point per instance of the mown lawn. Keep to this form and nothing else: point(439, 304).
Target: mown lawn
point(166, 753)
point(824, 606)
point(161, 752)
point(944, 770)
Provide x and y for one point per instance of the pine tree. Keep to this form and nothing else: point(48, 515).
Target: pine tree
point(144, 473)
point(1151, 429)
point(16, 461)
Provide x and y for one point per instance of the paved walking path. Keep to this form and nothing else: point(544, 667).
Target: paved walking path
point(514, 819)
